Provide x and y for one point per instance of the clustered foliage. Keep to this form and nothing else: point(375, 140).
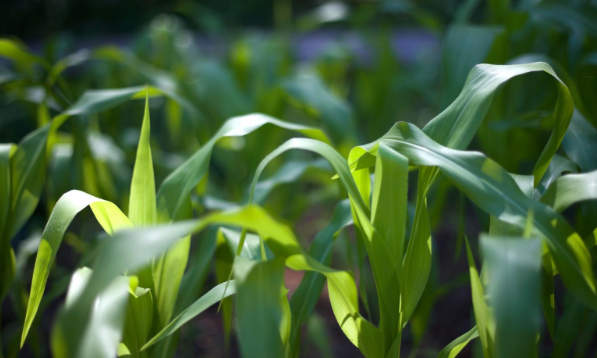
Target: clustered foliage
point(135, 286)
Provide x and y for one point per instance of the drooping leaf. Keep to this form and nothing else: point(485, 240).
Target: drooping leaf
point(493, 189)
point(70, 204)
point(18, 53)
point(175, 188)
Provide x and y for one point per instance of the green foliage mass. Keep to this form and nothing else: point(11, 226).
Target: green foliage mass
point(250, 150)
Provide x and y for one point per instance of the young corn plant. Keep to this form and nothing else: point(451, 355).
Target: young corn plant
point(156, 288)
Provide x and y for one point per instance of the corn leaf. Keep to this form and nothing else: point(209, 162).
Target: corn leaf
point(289, 172)
point(70, 204)
point(101, 336)
point(464, 47)
point(388, 216)
point(500, 228)
point(27, 170)
point(204, 302)
point(570, 189)
point(176, 187)
point(558, 166)
point(258, 307)
point(17, 52)
point(457, 345)
point(514, 268)
point(483, 317)
point(7, 267)
point(142, 207)
point(457, 124)
point(138, 320)
point(309, 290)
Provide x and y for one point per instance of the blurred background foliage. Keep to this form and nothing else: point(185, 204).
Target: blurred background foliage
point(352, 68)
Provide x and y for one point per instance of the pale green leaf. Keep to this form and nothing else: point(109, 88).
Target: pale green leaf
point(142, 207)
point(71, 203)
point(101, 336)
point(457, 345)
point(483, 317)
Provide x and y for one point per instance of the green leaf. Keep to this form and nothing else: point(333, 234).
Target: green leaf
point(123, 350)
point(500, 228)
point(547, 291)
point(558, 166)
point(463, 47)
point(388, 216)
point(163, 81)
point(167, 273)
point(71, 60)
point(457, 124)
point(204, 302)
point(138, 320)
point(142, 203)
point(569, 325)
point(27, 170)
point(570, 189)
point(94, 101)
point(289, 172)
point(142, 207)
point(389, 201)
point(101, 336)
point(309, 290)
point(483, 317)
point(107, 214)
point(177, 186)
point(580, 143)
point(7, 268)
point(457, 345)
point(310, 93)
point(417, 261)
point(514, 268)
point(258, 307)
point(17, 52)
